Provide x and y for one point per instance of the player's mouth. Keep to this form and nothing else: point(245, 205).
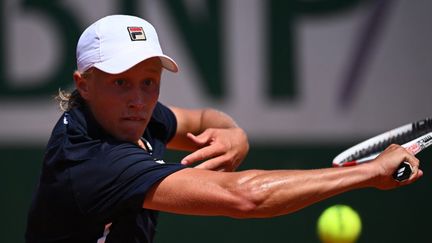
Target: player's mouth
point(134, 118)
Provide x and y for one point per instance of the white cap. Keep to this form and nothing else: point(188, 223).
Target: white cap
point(116, 43)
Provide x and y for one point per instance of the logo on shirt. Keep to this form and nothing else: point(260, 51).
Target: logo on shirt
point(159, 161)
point(136, 33)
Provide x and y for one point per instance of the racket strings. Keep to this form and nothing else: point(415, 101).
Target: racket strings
point(418, 129)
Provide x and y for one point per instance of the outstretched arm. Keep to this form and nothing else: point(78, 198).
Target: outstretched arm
point(213, 136)
point(260, 193)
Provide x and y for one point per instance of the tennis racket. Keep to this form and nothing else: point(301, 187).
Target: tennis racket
point(414, 137)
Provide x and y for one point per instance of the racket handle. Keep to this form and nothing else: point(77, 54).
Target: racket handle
point(403, 172)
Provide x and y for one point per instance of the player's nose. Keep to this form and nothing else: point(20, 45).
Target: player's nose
point(137, 99)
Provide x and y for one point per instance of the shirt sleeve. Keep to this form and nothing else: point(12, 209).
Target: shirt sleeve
point(117, 180)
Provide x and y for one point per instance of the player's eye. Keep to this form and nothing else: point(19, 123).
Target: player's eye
point(119, 82)
point(148, 82)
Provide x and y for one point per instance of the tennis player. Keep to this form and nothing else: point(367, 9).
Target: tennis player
point(104, 177)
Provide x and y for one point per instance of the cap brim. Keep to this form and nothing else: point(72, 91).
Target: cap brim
point(124, 61)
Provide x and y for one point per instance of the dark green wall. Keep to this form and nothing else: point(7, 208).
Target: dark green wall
point(388, 216)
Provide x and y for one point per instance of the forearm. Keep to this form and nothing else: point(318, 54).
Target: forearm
point(196, 122)
point(211, 118)
point(281, 192)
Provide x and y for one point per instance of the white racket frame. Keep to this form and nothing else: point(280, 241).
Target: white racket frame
point(414, 146)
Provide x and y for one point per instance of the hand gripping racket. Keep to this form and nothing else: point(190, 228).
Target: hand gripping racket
point(414, 137)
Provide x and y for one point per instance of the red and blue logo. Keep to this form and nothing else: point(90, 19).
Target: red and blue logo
point(136, 33)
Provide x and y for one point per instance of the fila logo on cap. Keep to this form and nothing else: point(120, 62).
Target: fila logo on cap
point(136, 33)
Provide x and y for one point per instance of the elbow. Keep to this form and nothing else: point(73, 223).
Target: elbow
point(243, 208)
point(258, 197)
point(251, 202)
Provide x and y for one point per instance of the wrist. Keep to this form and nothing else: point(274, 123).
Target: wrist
point(371, 173)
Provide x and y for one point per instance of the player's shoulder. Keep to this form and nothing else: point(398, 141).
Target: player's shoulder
point(114, 150)
point(110, 158)
point(162, 113)
point(163, 123)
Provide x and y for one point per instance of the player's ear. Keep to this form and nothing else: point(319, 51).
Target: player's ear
point(81, 84)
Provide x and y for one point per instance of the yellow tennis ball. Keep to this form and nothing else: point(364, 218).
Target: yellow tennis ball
point(339, 224)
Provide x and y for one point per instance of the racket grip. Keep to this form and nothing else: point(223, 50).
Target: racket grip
point(403, 172)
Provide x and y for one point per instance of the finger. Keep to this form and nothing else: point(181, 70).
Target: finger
point(202, 154)
point(201, 139)
point(405, 174)
point(413, 178)
point(218, 163)
point(420, 173)
point(416, 171)
point(414, 162)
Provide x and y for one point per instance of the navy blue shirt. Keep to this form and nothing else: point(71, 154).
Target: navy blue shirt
point(90, 180)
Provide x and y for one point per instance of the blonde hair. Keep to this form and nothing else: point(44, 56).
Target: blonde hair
point(68, 100)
